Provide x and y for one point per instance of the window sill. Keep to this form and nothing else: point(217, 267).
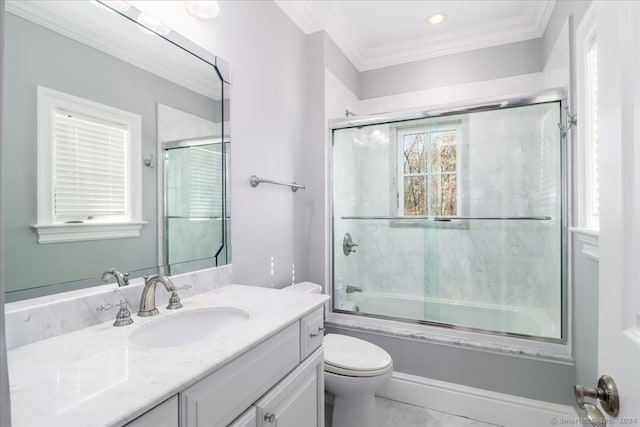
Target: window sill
point(60, 233)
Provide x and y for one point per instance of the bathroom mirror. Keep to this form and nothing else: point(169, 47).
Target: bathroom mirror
point(114, 155)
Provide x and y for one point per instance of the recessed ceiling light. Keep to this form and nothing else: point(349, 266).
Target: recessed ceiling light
point(152, 24)
point(437, 18)
point(119, 5)
point(204, 10)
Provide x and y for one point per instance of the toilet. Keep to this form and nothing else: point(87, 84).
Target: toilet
point(353, 370)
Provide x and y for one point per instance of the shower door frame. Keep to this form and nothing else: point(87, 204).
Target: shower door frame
point(555, 95)
point(163, 245)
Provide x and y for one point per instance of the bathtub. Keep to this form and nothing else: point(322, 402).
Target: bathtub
point(485, 317)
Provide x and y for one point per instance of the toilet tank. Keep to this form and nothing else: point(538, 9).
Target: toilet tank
point(304, 287)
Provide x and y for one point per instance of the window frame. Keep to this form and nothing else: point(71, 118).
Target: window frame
point(400, 175)
point(48, 229)
point(586, 37)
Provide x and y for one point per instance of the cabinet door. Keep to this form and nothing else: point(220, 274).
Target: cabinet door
point(248, 419)
point(163, 415)
point(298, 400)
point(222, 396)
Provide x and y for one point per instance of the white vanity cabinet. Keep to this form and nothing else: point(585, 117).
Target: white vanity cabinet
point(298, 400)
point(280, 380)
point(248, 419)
point(163, 415)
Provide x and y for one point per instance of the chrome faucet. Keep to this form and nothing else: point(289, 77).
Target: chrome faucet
point(121, 278)
point(148, 298)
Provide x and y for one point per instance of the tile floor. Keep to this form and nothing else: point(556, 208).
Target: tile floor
point(396, 414)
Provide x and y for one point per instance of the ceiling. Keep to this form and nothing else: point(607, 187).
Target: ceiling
point(380, 33)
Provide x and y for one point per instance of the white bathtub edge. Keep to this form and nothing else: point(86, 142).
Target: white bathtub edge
point(483, 405)
point(538, 350)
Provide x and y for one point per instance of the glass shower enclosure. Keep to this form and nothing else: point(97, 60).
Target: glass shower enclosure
point(195, 184)
point(453, 220)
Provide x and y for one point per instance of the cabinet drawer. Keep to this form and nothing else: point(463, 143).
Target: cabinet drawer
point(311, 332)
point(224, 395)
point(163, 415)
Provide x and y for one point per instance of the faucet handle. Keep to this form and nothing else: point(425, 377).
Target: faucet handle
point(123, 318)
point(174, 300)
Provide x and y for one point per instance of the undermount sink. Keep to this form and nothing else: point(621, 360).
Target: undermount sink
point(189, 327)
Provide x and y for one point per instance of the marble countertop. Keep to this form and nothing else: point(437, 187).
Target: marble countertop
point(96, 377)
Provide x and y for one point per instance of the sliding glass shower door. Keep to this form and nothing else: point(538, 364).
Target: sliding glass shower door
point(458, 220)
point(194, 205)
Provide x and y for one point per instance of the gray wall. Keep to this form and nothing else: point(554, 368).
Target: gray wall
point(338, 63)
point(312, 167)
point(268, 55)
point(530, 378)
point(562, 10)
point(482, 64)
point(62, 64)
point(5, 406)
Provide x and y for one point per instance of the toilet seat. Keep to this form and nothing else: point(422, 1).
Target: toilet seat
point(353, 357)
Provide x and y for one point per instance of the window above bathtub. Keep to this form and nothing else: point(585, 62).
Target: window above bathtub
point(89, 170)
point(428, 165)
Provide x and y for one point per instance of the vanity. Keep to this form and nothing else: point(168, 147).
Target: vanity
point(262, 368)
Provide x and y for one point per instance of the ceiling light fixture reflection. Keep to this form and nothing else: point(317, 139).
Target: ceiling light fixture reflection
point(152, 24)
point(118, 5)
point(437, 18)
point(205, 10)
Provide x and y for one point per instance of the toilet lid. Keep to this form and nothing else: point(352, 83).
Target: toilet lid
point(352, 356)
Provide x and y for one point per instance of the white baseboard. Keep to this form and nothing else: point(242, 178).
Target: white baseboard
point(483, 405)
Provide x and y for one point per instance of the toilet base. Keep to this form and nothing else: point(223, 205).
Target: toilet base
point(354, 402)
point(354, 411)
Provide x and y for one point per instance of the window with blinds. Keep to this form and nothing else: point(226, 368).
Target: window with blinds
point(205, 192)
point(592, 135)
point(89, 168)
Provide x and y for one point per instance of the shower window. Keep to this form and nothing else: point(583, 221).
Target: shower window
point(428, 166)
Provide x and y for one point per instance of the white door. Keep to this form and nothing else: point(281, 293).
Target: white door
point(618, 32)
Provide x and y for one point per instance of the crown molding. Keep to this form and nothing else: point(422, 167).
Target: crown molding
point(308, 15)
point(340, 28)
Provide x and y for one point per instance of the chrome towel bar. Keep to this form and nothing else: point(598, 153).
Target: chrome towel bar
point(255, 181)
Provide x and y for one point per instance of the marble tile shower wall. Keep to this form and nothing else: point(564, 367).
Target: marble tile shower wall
point(509, 166)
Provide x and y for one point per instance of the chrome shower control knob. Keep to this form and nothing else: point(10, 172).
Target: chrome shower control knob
point(270, 418)
point(348, 245)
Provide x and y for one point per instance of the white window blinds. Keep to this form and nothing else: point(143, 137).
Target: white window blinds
point(90, 168)
point(592, 105)
point(205, 195)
